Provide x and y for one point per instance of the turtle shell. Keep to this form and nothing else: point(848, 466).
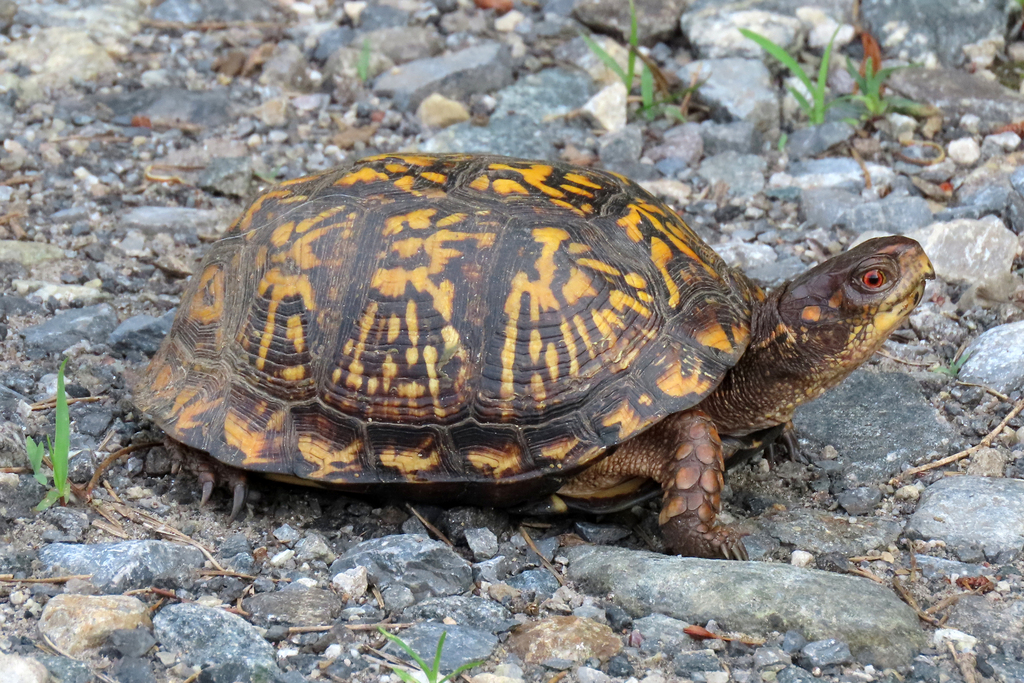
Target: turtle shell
point(477, 327)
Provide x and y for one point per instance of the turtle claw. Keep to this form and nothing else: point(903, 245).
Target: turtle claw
point(207, 490)
point(241, 490)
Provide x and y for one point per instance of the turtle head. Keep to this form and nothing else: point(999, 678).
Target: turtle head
point(844, 309)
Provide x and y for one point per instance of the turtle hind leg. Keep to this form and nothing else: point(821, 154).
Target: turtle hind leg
point(212, 474)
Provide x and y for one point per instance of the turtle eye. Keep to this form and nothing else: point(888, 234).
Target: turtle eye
point(873, 279)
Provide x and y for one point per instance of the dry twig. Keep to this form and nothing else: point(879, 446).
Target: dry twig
point(430, 527)
point(543, 560)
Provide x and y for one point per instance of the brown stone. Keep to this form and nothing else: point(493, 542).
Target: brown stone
point(569, 638)
point(78, 623)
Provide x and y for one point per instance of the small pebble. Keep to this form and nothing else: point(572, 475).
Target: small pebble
point(964, 151)
point(801, 558)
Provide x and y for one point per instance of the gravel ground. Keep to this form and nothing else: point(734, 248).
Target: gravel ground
point(133, 133)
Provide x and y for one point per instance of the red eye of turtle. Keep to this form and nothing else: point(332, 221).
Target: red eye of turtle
point(873, 279)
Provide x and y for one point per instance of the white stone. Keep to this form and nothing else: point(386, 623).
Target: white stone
point(718, 35)
point(964, 151)
point(89, 293)
point(987, 462)
point(901, 125)
point(675, 191)
point(608, 107)
point(716, 676)
point(983, 52)
point(821, 27)
point(587, 675)
point(354, 10)
point(509, 21)
point(596, 67)
point(972, 252)
point(18, 669)
point(352, 582)
point(1008, 141)
point(908, 492)
point(801, 558)
point(963, 642)
point(282, 557)
point(744, 255)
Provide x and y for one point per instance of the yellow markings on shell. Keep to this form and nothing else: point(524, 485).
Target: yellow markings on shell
point(188, 409)
point(326, 457)
point(620, 300)
point(661, 254)
point(535, 176)
point(313, 221)
point(336, 375)
point(712, 334)
point(280, 285)
point(412, 323)
point(394, 328)
point(631, 224)
point(541, 297)
point(505, 186)
point(581, 329)
point(363, 175)
point(405, 184)
point(599, 266)
point(537, 388)
point(438, 178)
point(411, 461)
point(388, 370)
point(536, 345)
point(559, 449)
point(355, 368)
point(293, 373)
point(676, 384)
point(494, 465)
point(295, 333)
point(570, 345)
point(811, 314)
point(636, 280)
point(582, 180)
point(415, 220)
point(412, 356)
point(410, 390)
point(481, 183)
point(627, 419)
point(645, 400)
point(207, 304)
point(453, 219)
point(396, 168)
point(282, 234)
point(567, 205)
point(245, 222)
point(579, 248)
point(299, 181)
point(577, 286)
point(249, 437)
point(430, 361)
point(551, 360)
point(577, 190)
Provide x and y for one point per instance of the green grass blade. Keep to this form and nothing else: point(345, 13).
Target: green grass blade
point(437, 656)
point(606, 58)
point(802, 101)
point(363, 65)
point(35, 458)
point(646, 87)
point(62, 437)
point(464, 667)
point(51, 497)
point(781, 55)
point(819, 93)
point(408, 650)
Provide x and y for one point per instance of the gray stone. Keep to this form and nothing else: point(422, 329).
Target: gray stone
point(826, 652)
point(957, 93)
point(794, 674)
point(91, 420)
point(937, 567)
point(878, 422)
point(973, 510)
point(118, 567)
point(713, 30)
point(841, 173)
point(824, 207)
point(1005, 669)
point(142, 333)
point(207, 108)
point(813, 140)
point(736, 90)
point(482, 542)
point(427, 568)
point(688, 663)
point(738, 136)
point(397, 598)
point(462, 644)
point(478, 69)
point(860, 500)
point(307, 607)
point(466, 610)
point(996, 359)
point(603, 534)
point(28, 253)
point(912, 30)
point(537, 104)
point(231, 176)
point(156, 219)
point(771, 657)
point(897, 215)
point(822, 532)
point(743, 173)
point(540, 581)
point(745, 255)
point(757, 598)
point(331, 40)
point(378, 15)
point(403, 44)
point(682, 142)
point(90, 323)
point(620, 151)
point(492, 570)
point(995, 622)
point(204, 636)
point(656, 19)
point(192, 11)
point(663, 634)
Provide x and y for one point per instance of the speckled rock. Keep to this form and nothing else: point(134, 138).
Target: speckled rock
point(462, 644)
point(996, 359)
point(117, 567)
point(656, 19)
point(571, 638)
point(80, 623)
point(736, 90)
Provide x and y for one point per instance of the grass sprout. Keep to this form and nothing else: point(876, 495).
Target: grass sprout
point(59, 450)
point(430, 671)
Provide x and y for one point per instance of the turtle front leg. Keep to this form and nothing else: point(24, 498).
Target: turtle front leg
point(692, 482)
point(211, 474)
point(683, 453)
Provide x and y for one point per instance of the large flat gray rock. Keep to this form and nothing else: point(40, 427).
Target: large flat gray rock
point(957, 92)
point(755, 598)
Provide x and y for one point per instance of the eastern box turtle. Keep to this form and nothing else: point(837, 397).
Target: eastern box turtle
point(488, 330)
